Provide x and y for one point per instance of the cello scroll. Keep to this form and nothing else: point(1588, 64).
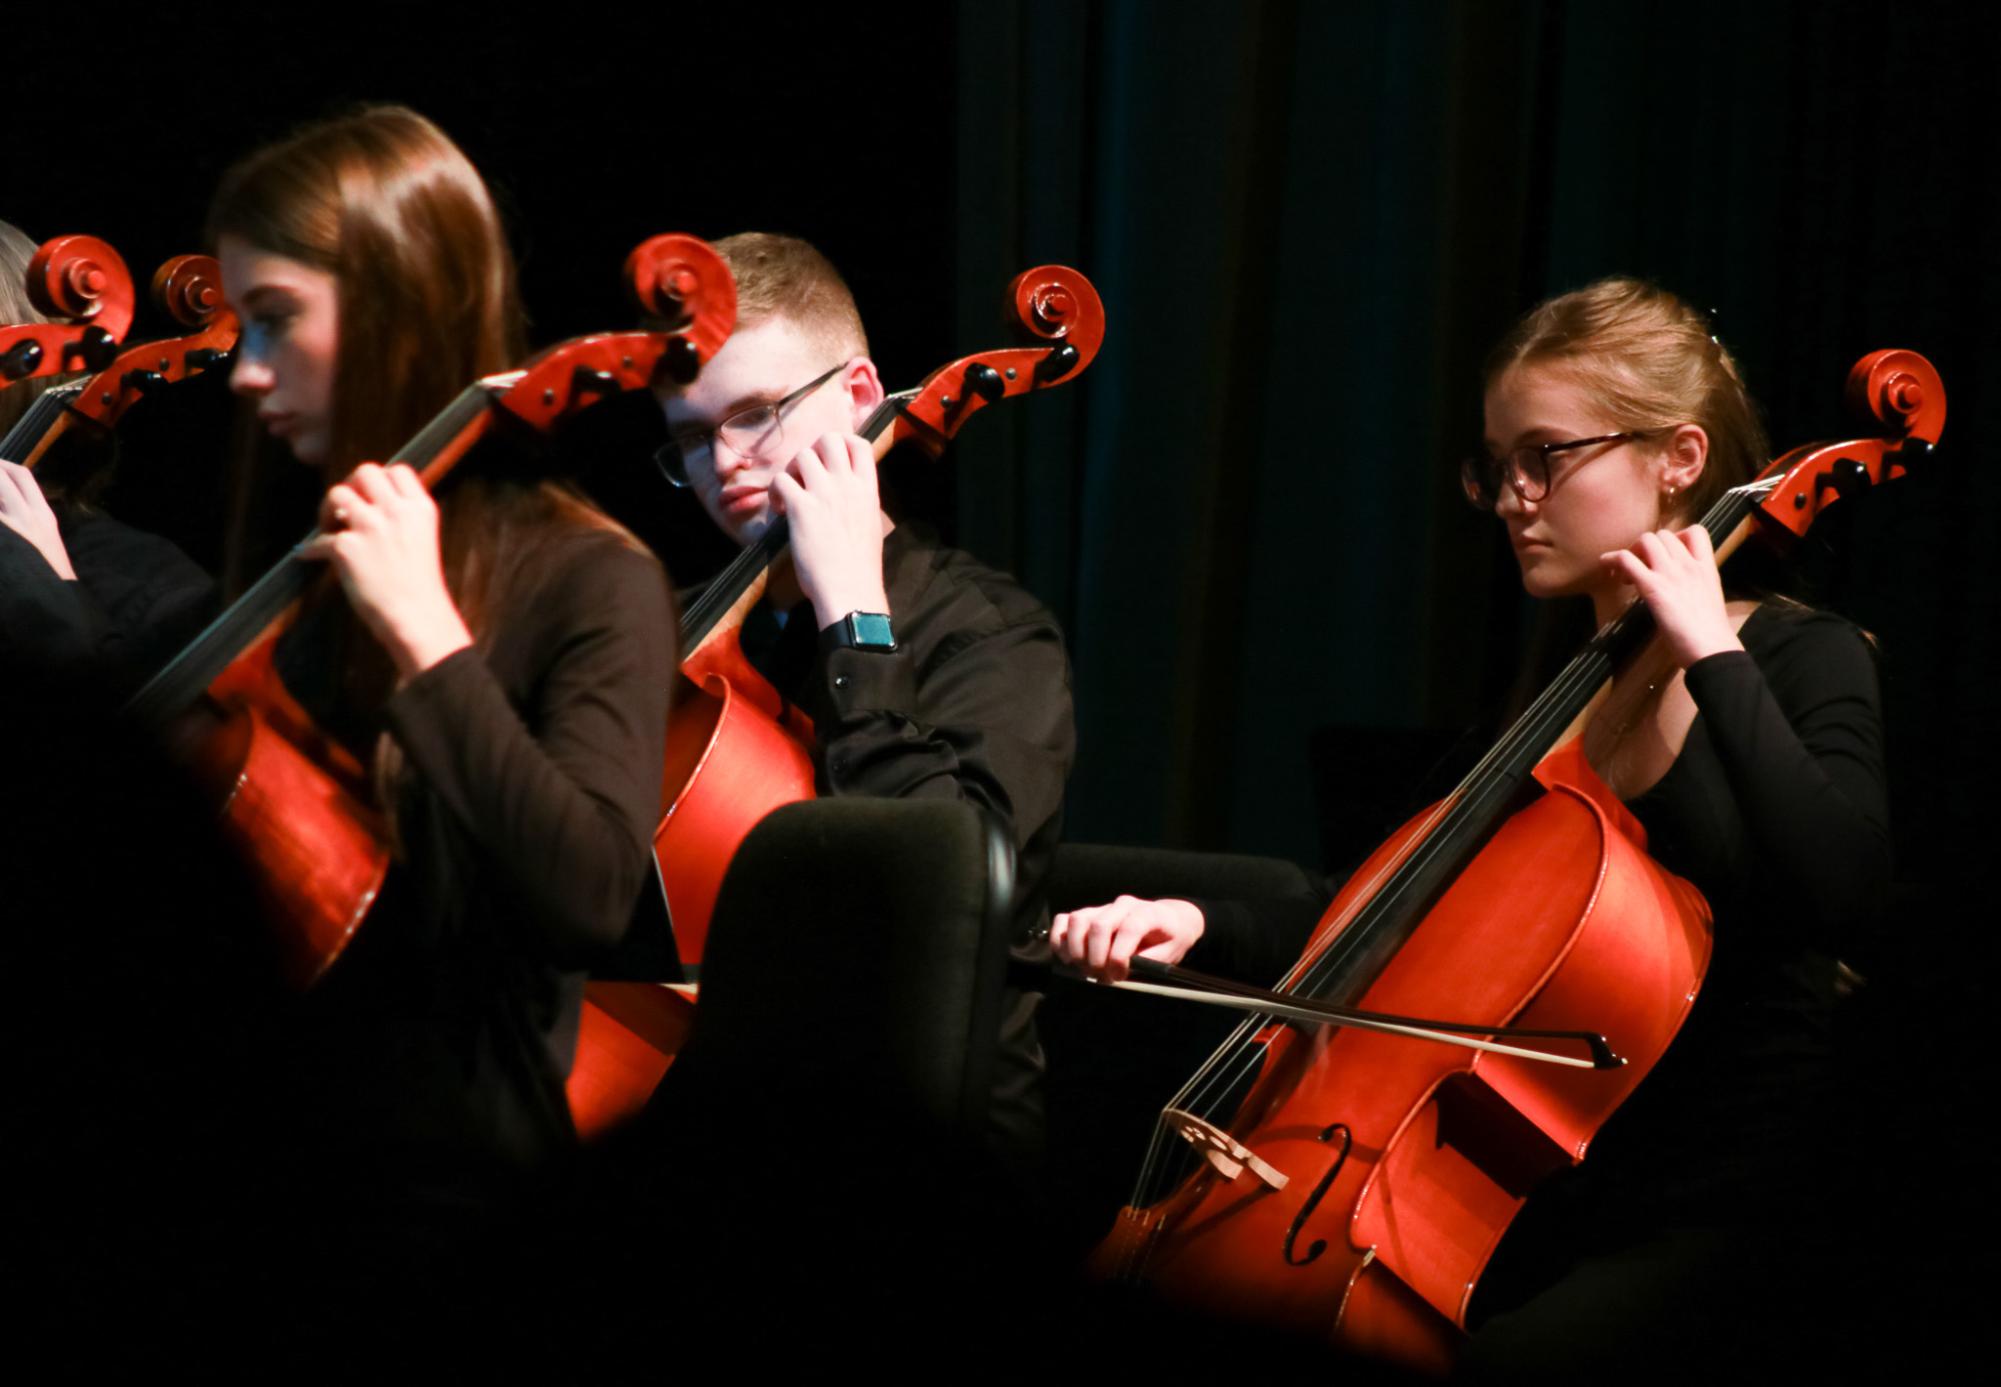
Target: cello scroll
point(83, 283)
point(1053, 303)
point(678, 280)
point(1898, 389)
point(189, 289)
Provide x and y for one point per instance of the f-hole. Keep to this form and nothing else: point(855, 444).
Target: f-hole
point(1319, 1246)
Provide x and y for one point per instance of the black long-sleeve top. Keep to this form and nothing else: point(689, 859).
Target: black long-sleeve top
point(445, 1033)
point(1777, 810)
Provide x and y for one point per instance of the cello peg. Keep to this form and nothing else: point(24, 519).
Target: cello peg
point(1056, 364)
point(96, 349)
point(1847, 477)
point(984, 381)
point(20, 360)
point(587, 381)
point(680, 360)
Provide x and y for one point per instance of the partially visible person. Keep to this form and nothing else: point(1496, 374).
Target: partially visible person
point(85, 601)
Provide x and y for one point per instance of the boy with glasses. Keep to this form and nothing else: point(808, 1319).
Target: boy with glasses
point(926, 674)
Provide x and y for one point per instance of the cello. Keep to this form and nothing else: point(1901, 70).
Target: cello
point(188, 288)
point(297, 804)
point(1352, 1186)
point(735, 749)
point(82, 284)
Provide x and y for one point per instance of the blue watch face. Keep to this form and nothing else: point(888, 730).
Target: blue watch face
point(871, 630)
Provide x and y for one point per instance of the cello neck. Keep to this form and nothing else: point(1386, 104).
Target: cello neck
point(23, 442)
point(267, 601)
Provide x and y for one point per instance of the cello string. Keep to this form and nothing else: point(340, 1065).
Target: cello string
point(198, 664)
point(1532, 734)
point(1531, 737)
point(38, 420)
point(1226, 1068)
point(1236, 1061)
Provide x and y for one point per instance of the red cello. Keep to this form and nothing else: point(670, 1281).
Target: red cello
point(297, 804)
point(735, 751)
point(83, 284)
point(189, 289)
point(1353, 1185)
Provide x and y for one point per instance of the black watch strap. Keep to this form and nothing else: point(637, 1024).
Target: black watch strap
point(860, 631)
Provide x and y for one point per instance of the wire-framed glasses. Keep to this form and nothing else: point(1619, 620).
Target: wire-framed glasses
point(748, 431)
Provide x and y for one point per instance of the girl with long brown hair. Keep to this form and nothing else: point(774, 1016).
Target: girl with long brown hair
point(500, 657)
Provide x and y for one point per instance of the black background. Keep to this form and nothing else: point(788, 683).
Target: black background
point(1308, 221)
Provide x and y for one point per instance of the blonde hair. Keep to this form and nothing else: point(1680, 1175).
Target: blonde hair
point(1652, 363)
point(784, 277)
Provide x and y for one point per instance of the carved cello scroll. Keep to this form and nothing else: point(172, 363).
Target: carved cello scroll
point(83, 284)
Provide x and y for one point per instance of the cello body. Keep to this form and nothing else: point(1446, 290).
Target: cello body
point(1403, 1163)
point(735, 752)
point(297, 809)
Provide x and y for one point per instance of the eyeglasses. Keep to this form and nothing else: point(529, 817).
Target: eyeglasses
point(1526, 469)
point(747, 431)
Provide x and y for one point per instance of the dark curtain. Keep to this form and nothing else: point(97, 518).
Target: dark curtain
point(1310, 220)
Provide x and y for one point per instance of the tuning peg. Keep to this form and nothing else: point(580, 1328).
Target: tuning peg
point(1056, 364)
point(96, 349)
point(680, 360)
point(985, 381)
point(586, 381)
point(20, 360)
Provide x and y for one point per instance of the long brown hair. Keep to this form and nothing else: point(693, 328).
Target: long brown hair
point(387, 205)
point(383, 201)
point(1652, 362)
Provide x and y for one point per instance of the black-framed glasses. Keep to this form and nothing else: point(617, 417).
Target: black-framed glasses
point(747, 431)
point(1526, 470)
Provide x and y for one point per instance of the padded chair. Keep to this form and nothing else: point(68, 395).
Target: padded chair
point(853, 971)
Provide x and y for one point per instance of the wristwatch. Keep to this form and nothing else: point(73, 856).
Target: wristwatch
point(860, 631)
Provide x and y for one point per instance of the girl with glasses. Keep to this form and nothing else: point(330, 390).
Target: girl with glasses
point(1747, 740)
